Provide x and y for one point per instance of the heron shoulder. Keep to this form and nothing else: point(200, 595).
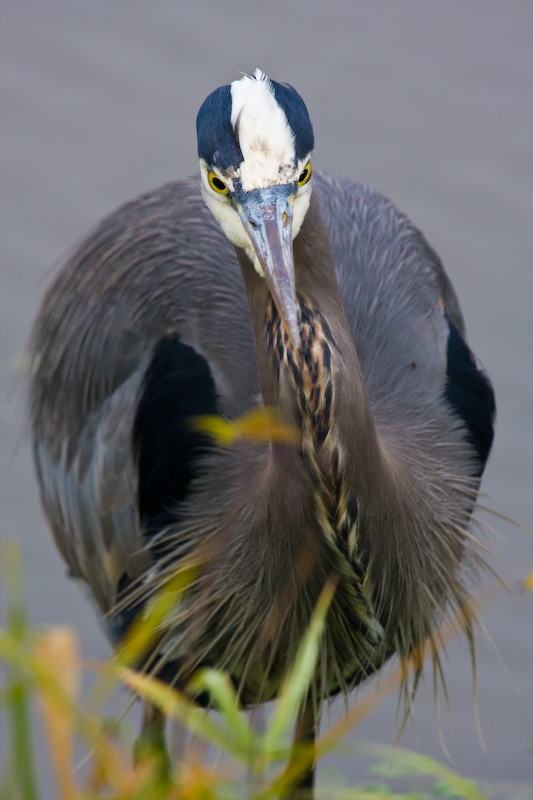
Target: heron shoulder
point(405, 317)
point(158, 264)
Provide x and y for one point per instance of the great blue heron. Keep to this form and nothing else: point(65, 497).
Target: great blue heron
point(263, 283)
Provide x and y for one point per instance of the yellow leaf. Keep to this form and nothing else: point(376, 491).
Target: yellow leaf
point(258, 425)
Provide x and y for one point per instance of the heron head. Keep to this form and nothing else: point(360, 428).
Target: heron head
point(255, 140)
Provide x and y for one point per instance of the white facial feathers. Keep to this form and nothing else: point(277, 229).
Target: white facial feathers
point(267, 143)
point(263, 132)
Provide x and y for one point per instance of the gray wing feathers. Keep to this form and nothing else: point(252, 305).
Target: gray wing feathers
point(90, 495)
point(392, 286)
point(367, 231)
point(157, 265)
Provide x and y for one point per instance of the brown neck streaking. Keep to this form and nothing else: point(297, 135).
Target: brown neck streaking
point(318, 386)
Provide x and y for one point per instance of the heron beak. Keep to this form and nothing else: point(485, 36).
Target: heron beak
point(267, 217)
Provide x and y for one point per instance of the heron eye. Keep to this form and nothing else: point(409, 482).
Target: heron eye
point(216, 184)
point(305, 175)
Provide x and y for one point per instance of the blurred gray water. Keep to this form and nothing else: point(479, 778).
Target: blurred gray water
point(429, 102)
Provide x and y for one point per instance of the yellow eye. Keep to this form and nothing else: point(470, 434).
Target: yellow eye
point(305, 174)
point(216, 184)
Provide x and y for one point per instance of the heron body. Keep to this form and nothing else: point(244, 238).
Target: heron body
point(262, 284)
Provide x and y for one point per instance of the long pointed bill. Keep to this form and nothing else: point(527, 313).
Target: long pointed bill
point(267, 216)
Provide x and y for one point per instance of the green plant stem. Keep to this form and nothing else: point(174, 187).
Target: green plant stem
point(21, 741)
point(17, 690)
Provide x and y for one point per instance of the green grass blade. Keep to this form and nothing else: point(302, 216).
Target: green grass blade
point(17, 688)
point(146, 628)
point(243, 739)
point(397, 762)
point(296, 685)
point(174, 704)
point(22, 751)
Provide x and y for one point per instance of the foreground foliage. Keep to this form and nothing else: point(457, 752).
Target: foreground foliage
point(249, 764)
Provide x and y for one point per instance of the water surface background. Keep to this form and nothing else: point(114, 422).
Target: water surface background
point(429, 102)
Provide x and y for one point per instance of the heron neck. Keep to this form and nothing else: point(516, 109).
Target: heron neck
point(326, 367)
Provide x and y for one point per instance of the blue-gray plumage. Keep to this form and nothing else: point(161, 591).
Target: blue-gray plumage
point(316, 295)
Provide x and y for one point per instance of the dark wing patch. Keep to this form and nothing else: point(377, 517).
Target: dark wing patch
point(469, 392)
point(178, 385)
